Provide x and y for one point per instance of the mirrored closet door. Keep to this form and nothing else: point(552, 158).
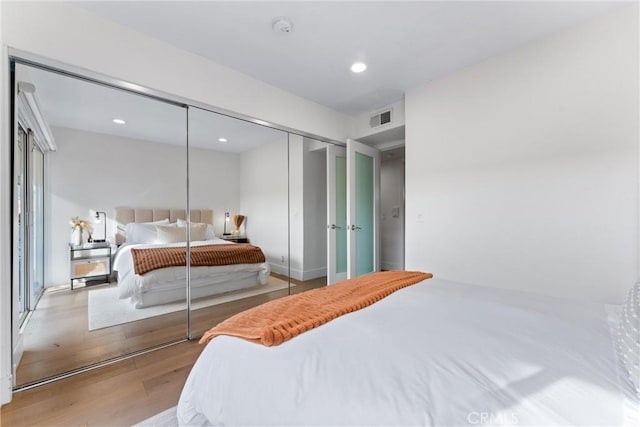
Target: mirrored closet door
point(140, 222)
point(105, 167)
point(240, 259)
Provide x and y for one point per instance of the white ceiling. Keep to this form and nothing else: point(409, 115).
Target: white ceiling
point(404, 43)
point(77, 104)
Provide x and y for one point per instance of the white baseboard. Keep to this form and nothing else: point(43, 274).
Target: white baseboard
point(314, 273)
point(296, 274)
point(299, 274)
point(279, 269)
point(390, 265)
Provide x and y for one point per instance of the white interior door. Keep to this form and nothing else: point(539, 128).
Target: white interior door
point(363, 209)
point(336, 214)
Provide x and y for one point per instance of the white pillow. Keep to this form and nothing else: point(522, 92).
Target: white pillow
point(142, 232)
point(198, 232)
point(173, 234)
point(629, 335)
point(210, 235)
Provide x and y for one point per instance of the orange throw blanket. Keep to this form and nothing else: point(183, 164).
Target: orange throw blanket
point(149, 259)
point(280, 320)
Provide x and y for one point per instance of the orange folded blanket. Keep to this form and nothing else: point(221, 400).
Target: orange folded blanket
point(148, 259)
point(280, 320)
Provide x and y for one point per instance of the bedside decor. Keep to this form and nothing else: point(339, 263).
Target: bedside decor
point(237, 221)
point(235, 238)
point(101, 218)
point(78, 226)
point(226, 221)
point(89, 262)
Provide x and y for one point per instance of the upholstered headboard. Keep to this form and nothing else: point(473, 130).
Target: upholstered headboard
point(125, 216)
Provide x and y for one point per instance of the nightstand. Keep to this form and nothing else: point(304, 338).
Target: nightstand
point(235, 239)
point(90, 260)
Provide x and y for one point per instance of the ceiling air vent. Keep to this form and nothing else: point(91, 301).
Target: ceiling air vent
point(380, 119)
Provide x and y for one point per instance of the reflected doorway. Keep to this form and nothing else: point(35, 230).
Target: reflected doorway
point(392, 208)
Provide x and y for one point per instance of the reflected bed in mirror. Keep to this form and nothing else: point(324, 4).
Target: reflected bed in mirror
point(150, 263)
point(251, 180)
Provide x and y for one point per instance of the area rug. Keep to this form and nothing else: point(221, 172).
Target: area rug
point(166, 418)
point(105, 309)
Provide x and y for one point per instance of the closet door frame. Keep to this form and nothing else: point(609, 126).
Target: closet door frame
point(17, 56)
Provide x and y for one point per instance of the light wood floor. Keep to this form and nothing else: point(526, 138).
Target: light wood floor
point(118, 395)
point(128, 391)
point(57, 340)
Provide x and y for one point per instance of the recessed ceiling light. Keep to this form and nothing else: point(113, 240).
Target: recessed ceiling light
point(358, 67)
point(119, 121)
point(222, 139)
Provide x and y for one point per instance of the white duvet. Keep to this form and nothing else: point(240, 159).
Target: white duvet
point(131, 285)
point(436, 353)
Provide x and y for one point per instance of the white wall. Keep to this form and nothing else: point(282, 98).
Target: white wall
point(522, 171)
point(315, 211)
point(308, 208)
point(264, 200)
point(296, 205)
point(392, 228)
point(92, 171)
point(74, 36)
point(214, 183)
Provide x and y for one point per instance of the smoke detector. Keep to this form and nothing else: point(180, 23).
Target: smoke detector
point(282, 25)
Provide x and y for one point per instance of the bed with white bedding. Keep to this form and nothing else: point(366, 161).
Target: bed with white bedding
point(168, 284)
point(435, 353)
point(137, 229)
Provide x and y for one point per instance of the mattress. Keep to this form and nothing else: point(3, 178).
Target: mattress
point(436, 353)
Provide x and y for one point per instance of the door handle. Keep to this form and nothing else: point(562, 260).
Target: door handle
point(335, 227)
point(355, 227)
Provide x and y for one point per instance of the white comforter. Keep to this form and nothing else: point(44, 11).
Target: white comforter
point(131, 285)
point(436, 353)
